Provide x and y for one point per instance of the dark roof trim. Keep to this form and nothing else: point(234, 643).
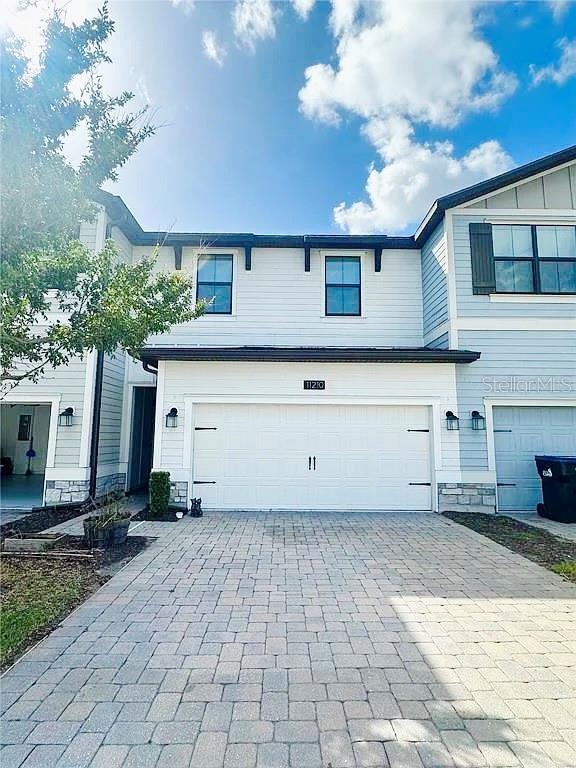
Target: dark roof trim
point(516, 175)
point(311, 354)
point(123, 218)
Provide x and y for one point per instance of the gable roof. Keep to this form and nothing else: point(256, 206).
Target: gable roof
point(462, 196)
point(122, 217)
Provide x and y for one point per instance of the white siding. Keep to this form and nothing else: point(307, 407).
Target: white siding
point(278, 303)
point(123, 245)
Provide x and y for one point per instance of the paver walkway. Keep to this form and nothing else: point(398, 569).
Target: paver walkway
point(306, 640)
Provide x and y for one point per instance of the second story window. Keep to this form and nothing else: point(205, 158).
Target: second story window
point(534, 259)
point(343, 285)
point(214, 283)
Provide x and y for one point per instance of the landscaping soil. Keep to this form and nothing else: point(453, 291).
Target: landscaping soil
point(535, 544)
point(48, 517)
point(144, 514)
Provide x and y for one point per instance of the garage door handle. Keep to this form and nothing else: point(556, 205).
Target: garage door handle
point(418, 430)
point(205, 429)
point(502, 430)
point(203, 482)
point(309, 462)
point(314, 460)
point(419, 483)
point(506, 485)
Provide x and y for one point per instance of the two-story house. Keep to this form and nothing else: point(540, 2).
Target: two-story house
point(355, 373)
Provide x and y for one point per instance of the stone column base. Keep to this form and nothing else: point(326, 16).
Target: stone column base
point(179, 493)
point(467, 497)
point(65, 491)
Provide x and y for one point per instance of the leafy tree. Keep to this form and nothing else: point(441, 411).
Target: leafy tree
point(98, 302)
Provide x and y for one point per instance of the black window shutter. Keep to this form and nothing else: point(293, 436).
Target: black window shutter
point(482, 253)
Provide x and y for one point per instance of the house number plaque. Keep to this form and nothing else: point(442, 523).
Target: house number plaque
point(314, 384)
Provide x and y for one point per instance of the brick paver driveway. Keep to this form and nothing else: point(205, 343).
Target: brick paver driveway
point(306, 640)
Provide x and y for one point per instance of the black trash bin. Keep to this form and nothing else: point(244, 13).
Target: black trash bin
point(558, 475)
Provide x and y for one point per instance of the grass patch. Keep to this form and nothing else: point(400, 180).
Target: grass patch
point(567, 569)
point(35, 595)
point(540, 546)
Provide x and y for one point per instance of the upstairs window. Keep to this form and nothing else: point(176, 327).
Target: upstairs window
point(519, 258)
point(343, 285)
point(214, 283)
point(513, 259)
point(557, 259)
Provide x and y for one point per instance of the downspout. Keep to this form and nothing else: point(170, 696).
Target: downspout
point(95, 437)
point(149, 368)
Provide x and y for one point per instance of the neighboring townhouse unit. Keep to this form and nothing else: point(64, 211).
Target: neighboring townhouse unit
point(357, 372)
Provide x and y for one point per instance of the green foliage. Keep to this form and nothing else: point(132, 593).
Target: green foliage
point(47, 273)
point(566, 569)
point(159, 493)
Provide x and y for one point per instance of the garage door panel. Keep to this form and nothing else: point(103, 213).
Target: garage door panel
point(520, 433)
point(365, 457)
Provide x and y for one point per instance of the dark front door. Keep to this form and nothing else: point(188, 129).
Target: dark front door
point(142, 437)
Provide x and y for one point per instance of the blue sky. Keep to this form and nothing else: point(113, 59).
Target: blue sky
point(242, 147)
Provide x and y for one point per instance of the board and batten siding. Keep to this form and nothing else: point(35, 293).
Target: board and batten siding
point(555, 190)
point(470, 305)
point(519, 365)
point(232, 382)
point(278, 303)
point(434, 280)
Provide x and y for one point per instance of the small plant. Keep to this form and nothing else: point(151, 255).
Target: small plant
point(159, 494)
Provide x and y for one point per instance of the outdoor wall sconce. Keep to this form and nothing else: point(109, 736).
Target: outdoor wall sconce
point(478, 421)
point(452, 421)
point(66, 417)
point(172, 417)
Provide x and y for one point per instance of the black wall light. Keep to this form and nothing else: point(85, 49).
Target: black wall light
point(172, 417)
point(452, 421)
point(66, 417)
point(478, 421)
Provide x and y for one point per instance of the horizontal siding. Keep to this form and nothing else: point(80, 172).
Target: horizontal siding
point(470, 305)
point(123, 245)
point(111, 409)
point(347, 380)
point(68, 382)
point(516, 365)
point(553, 190)
point(434, 280)
point(277, 302)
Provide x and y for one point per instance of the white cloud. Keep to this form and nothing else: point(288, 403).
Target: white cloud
point(185, 5)
point(212, 48)
point(562, 71)
point(413, 176)
point(303, 7)
point(558, 8)
point(426, 61)
point(253, 20)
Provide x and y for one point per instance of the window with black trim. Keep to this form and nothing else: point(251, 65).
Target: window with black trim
point(342, 285)
point(214, 283)
point(534, 258)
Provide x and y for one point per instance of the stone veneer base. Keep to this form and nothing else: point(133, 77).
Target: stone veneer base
point(68, 491)
point(467, 497)
point(179, 493)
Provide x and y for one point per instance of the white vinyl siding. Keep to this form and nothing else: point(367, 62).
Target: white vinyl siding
point(278, 303)
point(111, 413)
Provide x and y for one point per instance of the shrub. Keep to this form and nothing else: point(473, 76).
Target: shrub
point(159, 493)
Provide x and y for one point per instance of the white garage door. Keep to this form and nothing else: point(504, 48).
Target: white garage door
point(312, 457)
point(521, 432)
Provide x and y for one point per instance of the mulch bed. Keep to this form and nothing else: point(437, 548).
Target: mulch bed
point(34, 522)
point(144, 514)
point(38, 591)
point(540, 546)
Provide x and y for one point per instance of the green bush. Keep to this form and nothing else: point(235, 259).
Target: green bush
point(159, 493)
